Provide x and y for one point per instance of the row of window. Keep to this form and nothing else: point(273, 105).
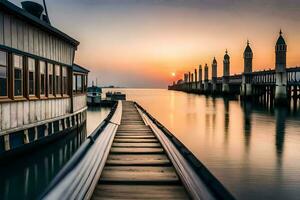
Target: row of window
point(79, 83)
point(28, 77)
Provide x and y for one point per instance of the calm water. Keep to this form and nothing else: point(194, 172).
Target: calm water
point(28, 176)
point(253, 151)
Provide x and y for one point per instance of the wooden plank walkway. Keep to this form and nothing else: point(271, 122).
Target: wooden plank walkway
point(137, 166)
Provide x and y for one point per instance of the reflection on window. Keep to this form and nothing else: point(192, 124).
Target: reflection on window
point(31, 76)
point(3, 74)
point(79, 83)
point(74, 83)
point(42, 77)
point(57, 79)
point(65, 80)
point(18, 75)
point(50, 79)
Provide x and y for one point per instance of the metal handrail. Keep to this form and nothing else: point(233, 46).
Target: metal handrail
point(81, 185)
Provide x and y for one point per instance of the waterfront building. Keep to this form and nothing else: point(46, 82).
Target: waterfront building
point(246, 86)
point(42, 92)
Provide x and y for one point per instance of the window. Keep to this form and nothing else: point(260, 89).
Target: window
point(79, 83)
point(3, 74)
point(84, 83)
point(18, 75)
point(50, 79)
point(31, 76)
point(42, 77)
point(57, 80)
point(74, 84)
point(65, 80)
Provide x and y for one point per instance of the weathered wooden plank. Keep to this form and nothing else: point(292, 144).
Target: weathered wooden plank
point(5, 112)
point(135, 137)
point(138, 159)
point(146, 174)
point(135, 150)
point(13, 115)
point(20, 113)
point(135, 140)
point(132, 133)
point(26, 112)
point(32, 115)
point(136, 145)
point(107, 191)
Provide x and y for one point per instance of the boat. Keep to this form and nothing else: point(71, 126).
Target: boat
point(94, 95)
point(42, 90)
point(115, 96)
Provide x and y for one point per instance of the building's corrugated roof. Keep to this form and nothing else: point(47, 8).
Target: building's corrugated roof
point(77, 68)
point(10, 7)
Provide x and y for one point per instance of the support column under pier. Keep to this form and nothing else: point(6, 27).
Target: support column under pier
point(281, 88)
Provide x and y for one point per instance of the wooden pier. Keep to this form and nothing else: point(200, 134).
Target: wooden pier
point(137, 166)
point(132, 156)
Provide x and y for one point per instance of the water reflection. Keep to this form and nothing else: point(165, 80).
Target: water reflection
point(27, 176)
point(226, 119)
point(280, 116)
point(95, 116)
point(247, 108)
point(253, 150)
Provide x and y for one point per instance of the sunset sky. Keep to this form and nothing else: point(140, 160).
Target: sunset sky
point(140, 43)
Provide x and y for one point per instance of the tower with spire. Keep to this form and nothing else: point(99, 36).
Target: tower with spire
point(280, 68)
point(246, 87)
point(200, 77)
point(226, 73)
point(248, 57)
point(196, 77)
point(214, 75)
point(206, 78)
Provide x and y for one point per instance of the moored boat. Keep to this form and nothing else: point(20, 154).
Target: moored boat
point(94, 95)
point(115, 96)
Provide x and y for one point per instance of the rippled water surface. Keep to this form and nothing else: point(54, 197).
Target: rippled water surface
point(253, 151)
point(27, 176)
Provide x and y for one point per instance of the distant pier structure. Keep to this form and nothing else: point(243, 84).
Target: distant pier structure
point(280, 85)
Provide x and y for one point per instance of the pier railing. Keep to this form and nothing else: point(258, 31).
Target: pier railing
point(77, 179)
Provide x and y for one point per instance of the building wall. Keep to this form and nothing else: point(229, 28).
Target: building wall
point(31, 39)
point(79, 102)
point(28, 112)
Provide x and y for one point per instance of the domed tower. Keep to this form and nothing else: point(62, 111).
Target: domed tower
point(196, 78)
point(226, 73)
point(206, 78)
point(200, 77)
point(214, 75)
point(280, 68)
point(248, 56)
point(280, 50)
point(246, 87)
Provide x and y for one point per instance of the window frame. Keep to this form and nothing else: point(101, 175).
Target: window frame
point(58, 84)
point(50, 65)
point(45, 78)
point(7, 75)
point(13, 77)
point(65, 86)
point(34, 78)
